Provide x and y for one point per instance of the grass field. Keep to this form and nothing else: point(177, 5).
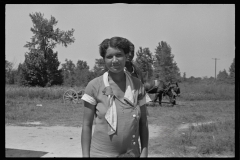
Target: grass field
point(178, 138)
point(211, 139)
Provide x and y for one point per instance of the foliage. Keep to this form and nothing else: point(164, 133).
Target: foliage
point(49, 93)
point(222, 76)
point(68, 72)
point(193, 79)
point(19, 75)
point(164, 66)
point(40, 67)
point(189, 91)
point(232, 72)
point(206, 80)
point(38, 71)
point(184, 77)
point(81, 73)
point(206, 91)
point(99, 67)
point(8, 66)
point(8, 72)
point(144, 62)
point(77, 75)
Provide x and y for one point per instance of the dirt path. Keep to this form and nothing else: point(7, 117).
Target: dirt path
point(36, 140)
point(57, 141)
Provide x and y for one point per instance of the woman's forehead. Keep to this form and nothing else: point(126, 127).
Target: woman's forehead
point(112, 50)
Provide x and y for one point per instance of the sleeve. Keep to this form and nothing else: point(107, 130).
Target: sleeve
point(90, 92)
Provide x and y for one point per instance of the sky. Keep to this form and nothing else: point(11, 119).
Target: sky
point(196, 33)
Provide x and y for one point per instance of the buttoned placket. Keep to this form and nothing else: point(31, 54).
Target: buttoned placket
point(135, 116)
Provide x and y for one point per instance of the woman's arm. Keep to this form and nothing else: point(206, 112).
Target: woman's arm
point(143, 132)
point(86, 137)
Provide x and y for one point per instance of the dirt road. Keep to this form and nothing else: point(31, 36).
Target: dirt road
point(40, 141)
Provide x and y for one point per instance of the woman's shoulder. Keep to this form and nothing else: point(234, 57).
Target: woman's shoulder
point(96, 81)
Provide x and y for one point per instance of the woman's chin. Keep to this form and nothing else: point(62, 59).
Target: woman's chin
point(116, 70)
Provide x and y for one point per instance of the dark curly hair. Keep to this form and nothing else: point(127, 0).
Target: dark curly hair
point(114, 42)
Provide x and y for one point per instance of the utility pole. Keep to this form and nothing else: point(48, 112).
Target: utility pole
point(215, 66)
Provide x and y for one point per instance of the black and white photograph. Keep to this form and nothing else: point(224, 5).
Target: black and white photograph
point(120, 80)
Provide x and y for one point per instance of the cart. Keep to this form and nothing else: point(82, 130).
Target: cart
point(72, 96)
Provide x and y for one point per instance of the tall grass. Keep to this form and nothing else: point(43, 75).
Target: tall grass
point(48, 93)
point(202, 91)
point(189, 92)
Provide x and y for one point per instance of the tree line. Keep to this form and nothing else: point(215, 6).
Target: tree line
point(42, 68)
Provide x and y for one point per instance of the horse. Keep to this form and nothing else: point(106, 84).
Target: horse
point(160, 88)
point(176, 89)
point(157, 87)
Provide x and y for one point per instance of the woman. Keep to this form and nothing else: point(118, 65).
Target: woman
point(117, 100)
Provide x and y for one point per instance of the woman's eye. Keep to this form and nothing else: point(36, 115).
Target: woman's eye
point(109, 57)
point(119, 55)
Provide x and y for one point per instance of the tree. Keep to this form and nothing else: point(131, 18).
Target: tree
point(41, 63)
point(184, 76)
point(222, 76)
point(193, 79)
point(81, 73)
point(81, 65)
point(19, 76)
point(8, 71)
point(164, 66)
point(144, 62)
point(232, 72)
point(68, 72)
point(99, 67)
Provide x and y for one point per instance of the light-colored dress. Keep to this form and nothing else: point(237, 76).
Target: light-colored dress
point(126, 137)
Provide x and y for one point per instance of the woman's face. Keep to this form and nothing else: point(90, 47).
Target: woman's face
point(115, 59)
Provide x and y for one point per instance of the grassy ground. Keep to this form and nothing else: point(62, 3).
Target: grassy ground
point(52, 112)
point(202, 91)
point(217, 138)
point(189, 92)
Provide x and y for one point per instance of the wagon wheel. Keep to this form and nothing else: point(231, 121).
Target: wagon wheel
point(70, 96)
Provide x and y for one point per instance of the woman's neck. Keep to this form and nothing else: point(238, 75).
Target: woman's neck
point(117, 77)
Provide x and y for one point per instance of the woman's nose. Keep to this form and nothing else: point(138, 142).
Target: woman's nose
point(115, 59)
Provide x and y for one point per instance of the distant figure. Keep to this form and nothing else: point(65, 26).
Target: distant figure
point(117, 100)
point(129, 66)
point(132, 69)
